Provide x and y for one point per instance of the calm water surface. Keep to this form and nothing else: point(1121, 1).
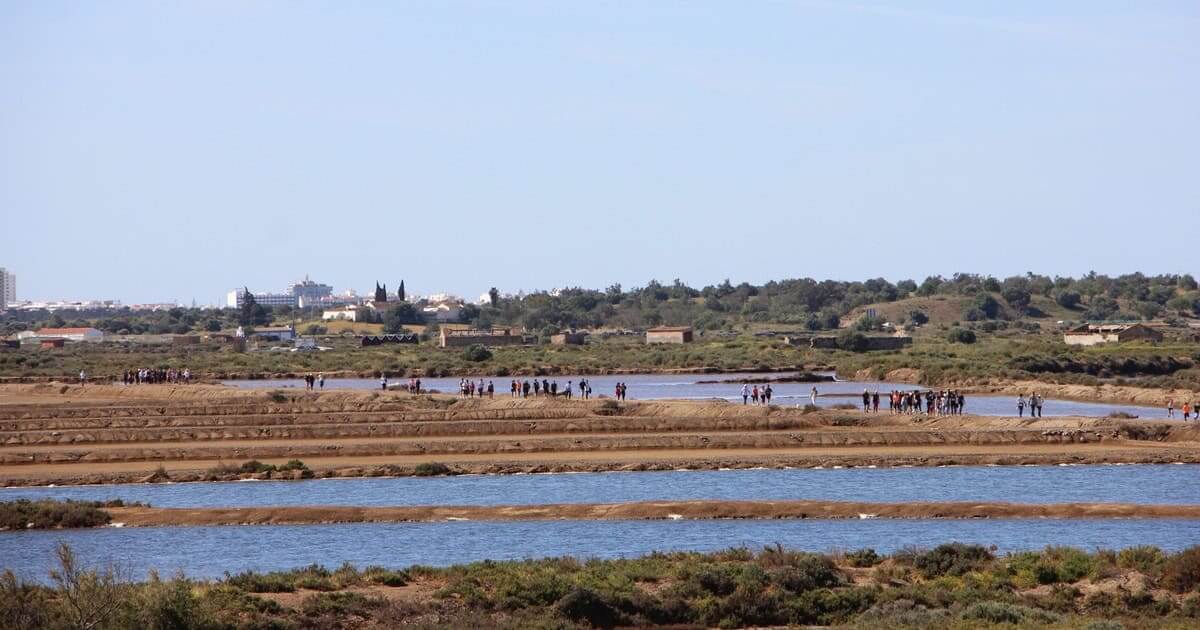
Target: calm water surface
point(210, 551)
point(1175, 484)
point(688, 386)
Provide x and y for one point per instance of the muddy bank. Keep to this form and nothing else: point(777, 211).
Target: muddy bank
point(657, 510)
point(186, 472)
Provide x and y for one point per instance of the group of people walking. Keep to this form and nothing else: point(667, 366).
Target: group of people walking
point(469, 389)
point(1034, 402)
point(941, 403)
point(758, 396)
point(314, 382)
point(1188, 409)
point(545, 387)
point(152, 376)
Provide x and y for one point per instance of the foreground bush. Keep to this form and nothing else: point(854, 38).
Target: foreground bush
point(949, 586)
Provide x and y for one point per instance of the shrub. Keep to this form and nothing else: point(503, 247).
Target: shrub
point(1181, 573)
point(476, 353)
point(431, 469)
point(583, 604)
point(863, 558)
point(952, 559)
point(1000, 612)
point(960, 335)
point(1147, 559)
point(255, 466)
point(852, 340)
point(52, 514)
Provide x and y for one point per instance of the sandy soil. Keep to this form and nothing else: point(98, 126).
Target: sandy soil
point(103, 434)
point(651, 510)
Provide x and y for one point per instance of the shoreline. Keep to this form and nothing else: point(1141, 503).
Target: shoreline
point(642, 510)
point(384, 470)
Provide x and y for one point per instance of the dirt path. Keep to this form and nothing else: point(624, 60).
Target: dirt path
point(649, 510)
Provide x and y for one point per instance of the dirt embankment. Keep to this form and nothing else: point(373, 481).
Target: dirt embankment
point(195, 432)
point(651, 510)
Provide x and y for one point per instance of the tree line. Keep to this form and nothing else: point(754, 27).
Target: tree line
point(804, 302)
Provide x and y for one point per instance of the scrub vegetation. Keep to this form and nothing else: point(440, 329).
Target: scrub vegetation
point(951, 586)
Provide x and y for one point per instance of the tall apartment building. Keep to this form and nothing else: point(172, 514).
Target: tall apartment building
point(237, 297)
point(307, 291)
point(8, 288)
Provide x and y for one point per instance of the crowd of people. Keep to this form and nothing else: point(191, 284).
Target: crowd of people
point(940, 403)
point(525, 388)
point(147, 376)
point(314, 382)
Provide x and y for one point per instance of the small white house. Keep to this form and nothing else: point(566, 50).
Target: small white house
point(348, 313)
point(443, 312)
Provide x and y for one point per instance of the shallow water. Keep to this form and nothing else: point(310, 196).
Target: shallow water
point(688, 386)
point(1147, 484)
point(210, 551)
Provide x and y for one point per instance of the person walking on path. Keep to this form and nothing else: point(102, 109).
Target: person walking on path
point(745, 393)
point(1187, 409)
point(866, 401)
point(1021, 406)
point(812, 396)
point(1170, 403)
point(383, 382)
point(82, 377)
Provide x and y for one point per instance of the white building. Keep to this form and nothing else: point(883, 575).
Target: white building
point(237, 297)
point(443, 312)
point(348, 313)
point(8, 288)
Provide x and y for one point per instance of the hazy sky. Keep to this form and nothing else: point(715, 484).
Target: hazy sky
point(159, 151)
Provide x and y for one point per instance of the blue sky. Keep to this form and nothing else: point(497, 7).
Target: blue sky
point(171, 151)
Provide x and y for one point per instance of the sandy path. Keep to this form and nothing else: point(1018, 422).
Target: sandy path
point(649, 510)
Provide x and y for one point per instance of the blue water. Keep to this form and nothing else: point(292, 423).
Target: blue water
point(210, 551)
point(688, 387)
point(1174, 484)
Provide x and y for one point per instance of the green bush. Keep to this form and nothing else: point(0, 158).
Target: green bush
point(476, 353)
point(53, 514)
point(1181, 573)
point(863, 558)
point(431, 469)
point(960, 335)
point(583, 604)
point(952, 559)
point(1004, 613)
point(852, 340)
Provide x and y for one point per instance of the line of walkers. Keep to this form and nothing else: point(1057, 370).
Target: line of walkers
point(468, 389)
point(314, 382)
point(942, 403)
point(546, 387)
point(152, 377)
point(1035, 403)
point(759, 396)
